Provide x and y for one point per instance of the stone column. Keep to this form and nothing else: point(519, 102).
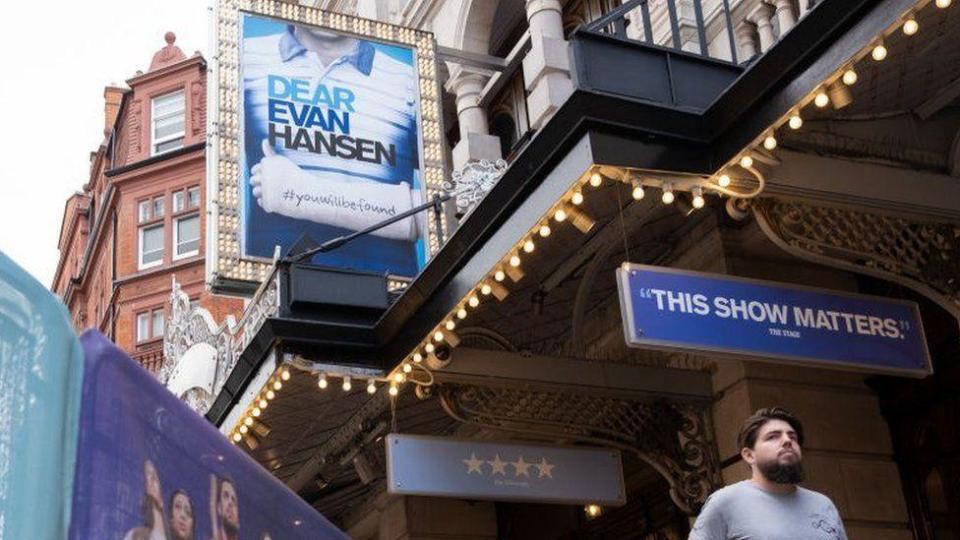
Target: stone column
point(761, 16)
point(546, 68)
point(785, 15)
point(848, 454)
point(745, 43)
point(476, 143)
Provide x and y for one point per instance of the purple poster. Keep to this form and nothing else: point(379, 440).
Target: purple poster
point(149, 468)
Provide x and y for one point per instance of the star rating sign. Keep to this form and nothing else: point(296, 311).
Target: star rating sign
point(546, 468)
point(521, 466)
point(499, 466)
point(473, 464)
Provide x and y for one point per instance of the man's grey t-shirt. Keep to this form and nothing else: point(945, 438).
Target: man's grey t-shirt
point(744, 511)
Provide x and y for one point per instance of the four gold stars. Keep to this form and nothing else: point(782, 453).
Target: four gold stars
point(498, 467)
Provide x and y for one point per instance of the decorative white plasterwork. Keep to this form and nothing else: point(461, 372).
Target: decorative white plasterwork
point(197, 373)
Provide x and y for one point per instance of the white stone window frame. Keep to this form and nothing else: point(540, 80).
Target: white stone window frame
point(147, 209)
point(156, 316)
point(179, 201)
point(146, 321)
point(143, 322)
point(154, 140)
point(176, 236)
point(193, 197)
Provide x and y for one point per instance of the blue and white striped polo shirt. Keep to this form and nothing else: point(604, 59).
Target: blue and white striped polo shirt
point(384, 105)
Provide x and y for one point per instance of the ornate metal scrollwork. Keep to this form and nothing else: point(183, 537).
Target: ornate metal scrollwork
point(472, 183)
point(674, 438)
point(924, 256)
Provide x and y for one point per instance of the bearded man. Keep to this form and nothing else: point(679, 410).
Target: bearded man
point(770, 505)
point(224, 509)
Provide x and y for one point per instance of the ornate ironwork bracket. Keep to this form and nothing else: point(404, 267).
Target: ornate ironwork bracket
point(472, 183)
point(924, 256)
point(675, 438)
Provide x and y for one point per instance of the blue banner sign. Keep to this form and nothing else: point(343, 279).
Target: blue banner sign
point(150, 467)
point(697, 312)
point(439, 466)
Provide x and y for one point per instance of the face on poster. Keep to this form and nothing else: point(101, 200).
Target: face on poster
point(331, 145)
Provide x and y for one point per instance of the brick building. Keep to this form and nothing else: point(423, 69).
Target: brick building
point(138, 222)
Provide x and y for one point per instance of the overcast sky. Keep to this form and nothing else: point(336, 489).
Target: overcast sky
point(55, 59)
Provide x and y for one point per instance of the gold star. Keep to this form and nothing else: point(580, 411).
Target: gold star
point(521, 467)
point(499, 466)
point(473, 464)
point(546, 468)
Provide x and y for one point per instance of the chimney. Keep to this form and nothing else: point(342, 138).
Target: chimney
point(111, 104)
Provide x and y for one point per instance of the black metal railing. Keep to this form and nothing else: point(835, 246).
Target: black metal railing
point(643, 20)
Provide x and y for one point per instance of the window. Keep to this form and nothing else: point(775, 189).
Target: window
point(186, 223)
point(150, 325)
point(144, 211)
point(151, 246)
point(143, 326)
point(168, 122)
point(193, 197)
point(151, 233)
point(158, 323)
point(149, 210)
point(186, 236)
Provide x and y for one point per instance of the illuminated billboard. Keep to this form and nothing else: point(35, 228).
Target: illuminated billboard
point(327, 124)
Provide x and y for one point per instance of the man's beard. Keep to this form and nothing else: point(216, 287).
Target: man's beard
point(782, 473)
point(230, 528)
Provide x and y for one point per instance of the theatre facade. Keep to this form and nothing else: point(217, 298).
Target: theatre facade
point(566, 152)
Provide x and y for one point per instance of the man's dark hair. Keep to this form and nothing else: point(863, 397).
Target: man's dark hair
point(747, 437)
point(221, 480)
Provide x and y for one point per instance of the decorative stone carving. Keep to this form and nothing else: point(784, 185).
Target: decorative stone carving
point(169, 55)
point(189, 326)
point(133, 128)
point(198, 110)
point(184, 328)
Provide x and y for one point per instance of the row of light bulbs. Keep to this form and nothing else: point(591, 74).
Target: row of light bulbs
point(569, 209)
point(346, 382)
point(837, 91)
point(250, 422)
